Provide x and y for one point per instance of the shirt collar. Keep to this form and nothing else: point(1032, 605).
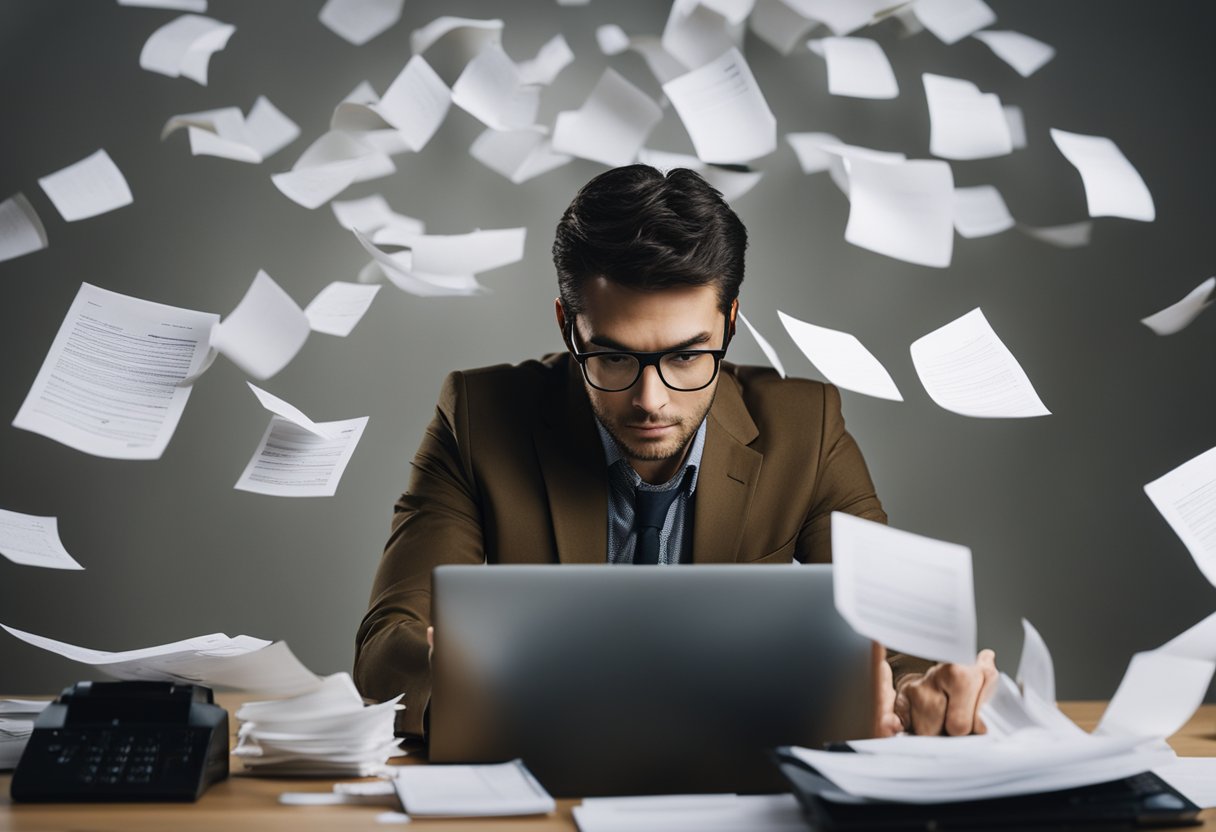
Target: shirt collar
point(614, 458)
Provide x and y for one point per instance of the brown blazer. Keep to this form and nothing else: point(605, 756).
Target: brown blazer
point(511, 470)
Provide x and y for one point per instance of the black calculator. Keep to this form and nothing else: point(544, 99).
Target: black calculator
point(124, 741)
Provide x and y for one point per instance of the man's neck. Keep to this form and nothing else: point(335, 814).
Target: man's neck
point(659, 471)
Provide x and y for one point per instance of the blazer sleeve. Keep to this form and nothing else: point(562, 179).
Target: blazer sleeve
point(843, 484)
point(436, 521)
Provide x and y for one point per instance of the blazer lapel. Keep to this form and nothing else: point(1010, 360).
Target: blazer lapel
point(572, 463)
point(727, 480)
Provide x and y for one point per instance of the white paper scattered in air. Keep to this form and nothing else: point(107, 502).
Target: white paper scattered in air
point(112, 384)
point(912, 593)
point(953, 20)
point(724, 111)
point(903, 209)
point(842, 16)
point(857, 67)
point(33, 541)
point(1072, 235)
point(1178, 316)
point(965, 123)
point(779, 25)
point(1022, 52)
point(765, 346)
point(1113, 188)
point(371, 213)
point(808, 147)
point(229, 134)
point(1157, 696)
point(1016, 119)
point(519, 155)
point(613, 40)
point(696, 34)
point(292, 461)
point(21, 229)
point(968, 370)
point(611, 126)
point(1036, 671)
point(339, 307)
point(490, 90)
point(184, 46)
point(842, 359)
point(288, 411)
point(264, 332)
point(90, 187)
point(980, 212)
point(414, 105)
point(554, 56)
point(358, 21)
point(1186, 498)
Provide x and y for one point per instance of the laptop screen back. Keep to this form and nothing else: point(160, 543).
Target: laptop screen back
point(618, 680)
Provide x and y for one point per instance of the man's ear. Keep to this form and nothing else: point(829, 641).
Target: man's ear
point(561, 318)
point(734, 312)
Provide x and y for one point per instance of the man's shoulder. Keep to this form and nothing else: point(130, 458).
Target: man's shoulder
point(761, 386)
point(506, 385)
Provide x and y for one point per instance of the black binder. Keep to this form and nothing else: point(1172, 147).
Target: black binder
point(1131, 803)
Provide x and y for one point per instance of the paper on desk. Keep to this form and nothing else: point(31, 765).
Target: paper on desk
point(731, 183)
point(199, 6)
point(113, 382)
point(21, 229)
point(612, 40)
point(471, 790)
point(451, 42)
point(1022, 52)
point(692, 813)
point(953, 20)
point(398, 269)
point(1178, 316)
point(968, 370)
point(519, 155)
point(902, 209)
point(242, 662)
point(779, 25)
point(1159, 693)
point(842, 359)
point(292, 461)
point(1195, 777)
point(765, 346)
point(911, 593)
point(696, 34)
point(289, 412)
point(1186, 498)
point(1017, 125)
point(554, 56)
point(490, 90)
point(339, 307)
point(264, 332)
point(336, 694)
point(358, 21)
point(724, 111)
point(1073, 235)
point(857, 67)
point(1036, 671)
point(33, 541)
point(980, 212)
point(1198, 642)
point(612, 124)
point(965, 123)
point(372, 213)
point(413, 107)
point(842, 16)
point(92, 186)
point(1113, 188)
point(184, 47)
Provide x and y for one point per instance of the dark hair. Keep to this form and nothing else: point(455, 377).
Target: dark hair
point(639, 228)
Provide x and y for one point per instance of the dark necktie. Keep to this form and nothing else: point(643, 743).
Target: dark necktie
point(649, 512)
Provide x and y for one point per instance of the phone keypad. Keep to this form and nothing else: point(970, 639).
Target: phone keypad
point(114, 757)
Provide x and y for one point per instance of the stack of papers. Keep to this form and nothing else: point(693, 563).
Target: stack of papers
point(471, 791)
point(327, 732)
point(692, 813)
point(16, 725)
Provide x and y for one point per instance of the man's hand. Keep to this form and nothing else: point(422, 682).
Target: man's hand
point(946, 698)
point(886, 723)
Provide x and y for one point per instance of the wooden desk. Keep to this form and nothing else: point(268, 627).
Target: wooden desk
point(243, 802)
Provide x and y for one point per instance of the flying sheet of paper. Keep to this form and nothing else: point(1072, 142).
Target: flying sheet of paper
point(358, 21)
point(1022, 52)
point(779, 25)
point(92, 186)
point(953, 20)
point(663, 66)
point(472, 253)
point(471, 791)
point(184, 47)
point(1198, 642)
point(1016, 120)
point(842, 359)
point(1072, 235)
point(980, 212)
point(413, 106)
point(292, 461)
point(21, 229)
point(398, 269)
point(696, 34)
point(554, 56)
point(33, 541)
point(519, 155)
point(1157, 696)
point(611, 126)
point(451, 42)
point(841, 16)
point(857, 67)
point(1186, 498)
point(490, 90)
point(267, 129)
point(199, 6)
point(332, 163)
point(912, 593)
point(1036, 671)
point(1113, 188)
point(808, 147)
point(111, 384)
point(289, 412)
point(965, 123)
point(731, 183)
point(229, 134)
point(691, 813)
point(968, 370)
point(1178, 316)
point(724, 111)
point(339, 307)
point(1195, 777)
point(372, 213)
point(903, 209)
point(765, 346)
point(264, 332)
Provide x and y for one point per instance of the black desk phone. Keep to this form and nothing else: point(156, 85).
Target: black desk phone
point(124, 741)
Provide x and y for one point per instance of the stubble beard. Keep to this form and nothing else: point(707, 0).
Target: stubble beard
point(653, 451)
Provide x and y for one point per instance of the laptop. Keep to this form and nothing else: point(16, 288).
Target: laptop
point(618, 680)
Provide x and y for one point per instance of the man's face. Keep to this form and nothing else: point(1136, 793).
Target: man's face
point(652, 423)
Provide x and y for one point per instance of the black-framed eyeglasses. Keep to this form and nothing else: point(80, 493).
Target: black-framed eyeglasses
point(682, 369)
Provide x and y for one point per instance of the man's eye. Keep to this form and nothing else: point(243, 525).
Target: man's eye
point(685, 357)
point(615, 360)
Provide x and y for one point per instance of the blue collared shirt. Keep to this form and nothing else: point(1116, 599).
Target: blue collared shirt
point(675, 538)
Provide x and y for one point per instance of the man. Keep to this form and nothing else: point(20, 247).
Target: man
point(638, 445)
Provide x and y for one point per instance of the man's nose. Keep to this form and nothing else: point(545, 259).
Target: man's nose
point(650, 393)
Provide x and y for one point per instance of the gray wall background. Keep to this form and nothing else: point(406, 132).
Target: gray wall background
point(1053, 508)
